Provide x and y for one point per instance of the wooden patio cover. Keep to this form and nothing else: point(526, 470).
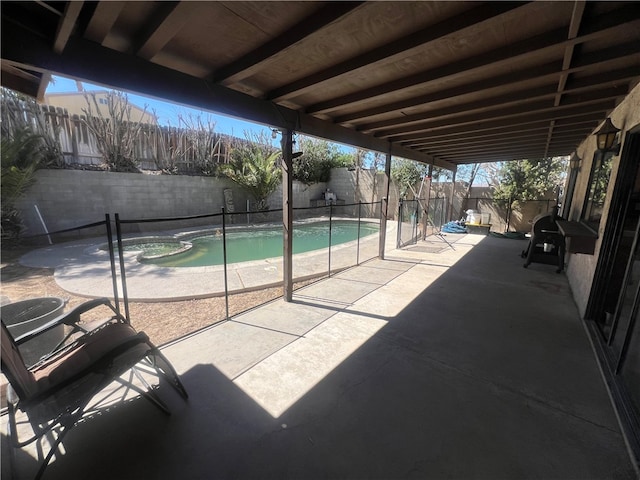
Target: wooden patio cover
point(440, 82)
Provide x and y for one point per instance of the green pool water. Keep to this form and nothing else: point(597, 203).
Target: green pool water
point(247, 245)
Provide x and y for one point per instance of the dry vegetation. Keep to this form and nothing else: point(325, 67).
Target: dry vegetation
point(162, 321)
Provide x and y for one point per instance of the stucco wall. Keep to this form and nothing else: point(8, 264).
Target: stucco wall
point(581, 268)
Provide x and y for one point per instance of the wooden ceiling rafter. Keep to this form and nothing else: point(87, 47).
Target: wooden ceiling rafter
point(530, 100)
point(547, 73)
point(402, 46)
point(483, 81)
point(103, 19)
point(574, 27)
point(462, 134)
point(481, 124)
point(537, 46)
point(506, 116)
point(253, 60)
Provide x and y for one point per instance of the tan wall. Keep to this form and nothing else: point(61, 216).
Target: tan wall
point(480, 199)
point(581, 268)
point(76, 102)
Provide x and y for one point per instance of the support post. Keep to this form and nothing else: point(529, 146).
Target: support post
point(427, 203)
point(453, 197)
point(287, 213)
point(384, 205)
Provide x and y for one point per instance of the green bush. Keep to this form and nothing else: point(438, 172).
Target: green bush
point(22, 153)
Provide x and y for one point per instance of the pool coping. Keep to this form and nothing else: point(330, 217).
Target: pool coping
point(82, 269)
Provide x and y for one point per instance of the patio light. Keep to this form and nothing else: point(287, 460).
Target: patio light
point(575, 162)
point(606, 136)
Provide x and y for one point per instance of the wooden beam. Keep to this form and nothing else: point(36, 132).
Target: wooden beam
point(506, 117)
point(384, 206)
point(165, 23)
point(462, 67)
point(521, 98)
point(93, 63)
point(506, 135)
point(574, 27)
point(540, 73)
point(498, 129)
point(550, 71)
point(103, 19)
point(21, 80)
point(249, 63)
point(402, 46)
point(482, 110)
point(628, 14)
point(287, 214)
point(66, 25)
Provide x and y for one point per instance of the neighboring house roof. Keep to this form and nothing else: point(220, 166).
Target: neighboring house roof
point(77, 102)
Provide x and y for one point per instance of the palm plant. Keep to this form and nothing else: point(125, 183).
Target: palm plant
point(21, 155)
point(255, 168)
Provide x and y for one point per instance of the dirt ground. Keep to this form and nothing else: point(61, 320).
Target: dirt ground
point(162, 321)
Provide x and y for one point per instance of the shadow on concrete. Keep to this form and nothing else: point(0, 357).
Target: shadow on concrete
point(479, 370)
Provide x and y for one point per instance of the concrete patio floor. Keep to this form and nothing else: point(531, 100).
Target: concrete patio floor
point(446, 360)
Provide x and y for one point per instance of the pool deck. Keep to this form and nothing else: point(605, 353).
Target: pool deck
point(83, 269)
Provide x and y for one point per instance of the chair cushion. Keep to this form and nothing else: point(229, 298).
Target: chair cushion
point(92, 352)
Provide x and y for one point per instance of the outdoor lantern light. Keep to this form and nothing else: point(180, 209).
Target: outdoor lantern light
point(575, 162)
point(606, 136)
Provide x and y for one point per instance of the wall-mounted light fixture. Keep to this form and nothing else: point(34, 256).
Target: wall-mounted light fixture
point(574, 162)
point(606, 137)
point(274, 133)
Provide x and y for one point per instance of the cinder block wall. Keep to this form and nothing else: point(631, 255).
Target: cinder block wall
point(71, 198)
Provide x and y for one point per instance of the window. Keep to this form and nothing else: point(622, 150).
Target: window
point(597, 191)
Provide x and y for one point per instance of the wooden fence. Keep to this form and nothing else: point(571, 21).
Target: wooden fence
point(162, 148)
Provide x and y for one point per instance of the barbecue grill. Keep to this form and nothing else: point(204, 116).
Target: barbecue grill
point(547, 243)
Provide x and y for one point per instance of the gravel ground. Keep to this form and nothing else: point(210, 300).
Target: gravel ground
point(162, 321)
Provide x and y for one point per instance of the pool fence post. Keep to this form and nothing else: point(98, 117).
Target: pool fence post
point(287, 213)
point(400, 220)
point(224, 263)
point(112, 260)
point(330, 217)
point(415, 222)
point(384, 205)
point(123, 277)
point(358, 244)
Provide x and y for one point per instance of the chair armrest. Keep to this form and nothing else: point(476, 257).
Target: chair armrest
point(70, 318)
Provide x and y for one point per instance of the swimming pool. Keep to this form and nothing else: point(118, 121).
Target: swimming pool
point(246, 244)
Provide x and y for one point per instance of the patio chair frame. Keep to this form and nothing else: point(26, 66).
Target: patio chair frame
point(46, 412)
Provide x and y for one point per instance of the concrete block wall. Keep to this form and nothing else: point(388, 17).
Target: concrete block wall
point(71, 198)
point(344, 182)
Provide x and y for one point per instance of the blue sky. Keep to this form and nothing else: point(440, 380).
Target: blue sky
point(166, 112)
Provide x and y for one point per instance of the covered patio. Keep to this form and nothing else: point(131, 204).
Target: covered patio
point(446, 360)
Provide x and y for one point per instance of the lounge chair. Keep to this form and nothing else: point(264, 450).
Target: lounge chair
point(57, 392)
